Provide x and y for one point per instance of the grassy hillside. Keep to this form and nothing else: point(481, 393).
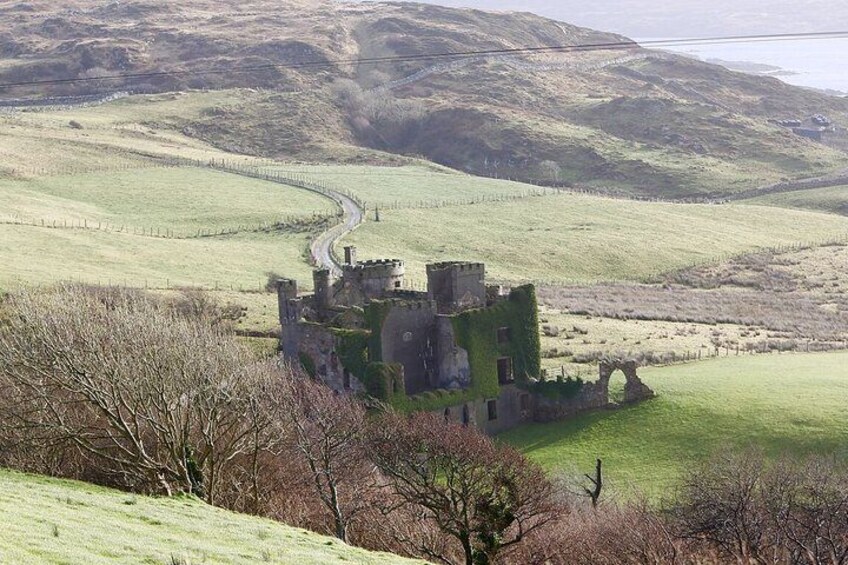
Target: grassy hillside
point(412, 186)
point(181, 200)
point(832, 199)
point(578, 238)
point(40, 255)
point(52, 521)
point(790, 403)
point(650, 124)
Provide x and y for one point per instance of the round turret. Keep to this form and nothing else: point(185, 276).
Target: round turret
point(375, 277)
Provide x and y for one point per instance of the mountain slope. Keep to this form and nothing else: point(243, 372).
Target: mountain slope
point(42, 524)
point(625, 120)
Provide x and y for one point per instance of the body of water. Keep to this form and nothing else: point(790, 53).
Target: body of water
point(819, 63)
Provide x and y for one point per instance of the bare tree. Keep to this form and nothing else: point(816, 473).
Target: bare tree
point(154, 399)
point(808, 504)
point(487, 497)
point(327, 431)
point(720, 507)
point(752, 511)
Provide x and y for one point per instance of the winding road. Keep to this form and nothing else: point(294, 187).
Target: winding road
point(321, 247)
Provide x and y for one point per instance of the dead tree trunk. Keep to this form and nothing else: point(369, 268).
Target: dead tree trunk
point(597, 484)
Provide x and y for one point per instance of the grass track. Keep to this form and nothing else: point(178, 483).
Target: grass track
point(578, 238)
point(48, 521)
point(792, 403)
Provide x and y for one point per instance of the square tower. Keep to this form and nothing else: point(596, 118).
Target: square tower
point(456, 285)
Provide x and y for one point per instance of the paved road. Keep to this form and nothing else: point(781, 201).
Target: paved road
point(322, 246)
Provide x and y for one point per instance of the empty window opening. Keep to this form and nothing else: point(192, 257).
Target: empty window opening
point(466, 416)
point(447, 415)
point(505, 370)
point(504, 335)
point(492, 407)
point(397, 284)
point(346, 379)
point(525, 402)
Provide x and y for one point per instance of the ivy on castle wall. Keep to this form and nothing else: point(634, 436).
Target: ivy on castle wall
point(477, 332)
point(352, 350)
point(375, 316)
point(384, 381)
point(556, 390)
point(307, 363)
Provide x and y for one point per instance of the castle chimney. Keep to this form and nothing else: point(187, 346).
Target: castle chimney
point(350, 255)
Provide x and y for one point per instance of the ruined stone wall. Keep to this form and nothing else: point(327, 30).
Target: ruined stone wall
point(512, 408)
point(408, 338)
point(373, 279)
point(290, 338)
point(469, 286)
point(593, 396)
point(319, 345)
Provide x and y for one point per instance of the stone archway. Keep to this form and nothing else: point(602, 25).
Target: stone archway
point(634, 389)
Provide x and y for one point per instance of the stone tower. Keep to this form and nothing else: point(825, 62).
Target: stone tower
point(456, 286)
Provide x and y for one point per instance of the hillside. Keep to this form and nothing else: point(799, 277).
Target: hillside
point(630, 120)
point(783, 404)
point(683, 18)
point(125, 528)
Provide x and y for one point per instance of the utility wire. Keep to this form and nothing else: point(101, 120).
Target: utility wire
point(318, 64)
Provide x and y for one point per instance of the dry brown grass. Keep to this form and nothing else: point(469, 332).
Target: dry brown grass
point(793, 301)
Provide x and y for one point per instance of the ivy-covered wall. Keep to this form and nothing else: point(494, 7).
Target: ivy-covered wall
point(375, 315)
point(476, 331)
point(352, 350)
point(384, 381)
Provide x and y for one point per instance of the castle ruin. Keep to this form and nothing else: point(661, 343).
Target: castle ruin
point(462, 348)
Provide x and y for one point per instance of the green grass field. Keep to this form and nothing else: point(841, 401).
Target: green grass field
point(51, 521)
point(42, 255)
point(129, 132)
point(410, 186)
point(174, 201)
point(831, 199)
point(789, 403)
point(578, 238)
point(182, 200)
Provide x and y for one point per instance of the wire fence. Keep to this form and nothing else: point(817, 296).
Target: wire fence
point(285, 224)
point(264, 170)
point(585, 363)
point(661, 275)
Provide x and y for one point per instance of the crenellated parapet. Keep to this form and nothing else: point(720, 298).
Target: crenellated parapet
point(462, 267)
point(375, 268)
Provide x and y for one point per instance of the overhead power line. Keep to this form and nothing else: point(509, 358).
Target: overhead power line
point(329, 63)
